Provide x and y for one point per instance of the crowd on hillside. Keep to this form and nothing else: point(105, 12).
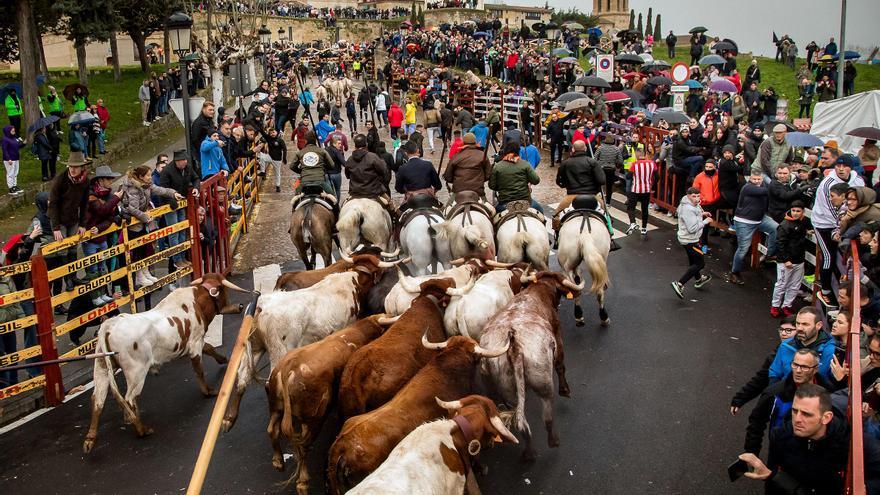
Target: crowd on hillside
point(302, 11)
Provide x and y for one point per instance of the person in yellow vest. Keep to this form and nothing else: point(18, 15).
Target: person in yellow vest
point(55, 106)
point(630, 147)
point(357, 68)
point(13, 110)
point(410, 117)
point(80, 100)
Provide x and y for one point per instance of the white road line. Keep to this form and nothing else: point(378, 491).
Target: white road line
point(657, 216)
point(36, 414)
point(265, 277)
point(622, 217)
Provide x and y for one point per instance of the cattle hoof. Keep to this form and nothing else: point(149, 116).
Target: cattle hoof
point(605, 322)
point(211, 392)
point(144, 432)
point(221, 359)
point(227, 424)
point(553, 441)
point(278, 464)
point(579, 322)
point(88, 444)
point(564, 391)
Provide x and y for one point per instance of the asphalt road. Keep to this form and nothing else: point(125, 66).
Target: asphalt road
point(648, 412)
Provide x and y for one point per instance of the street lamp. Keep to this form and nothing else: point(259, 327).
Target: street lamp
point(551, 29)
point(179, 33)
point(280, 34)
point(265, 35)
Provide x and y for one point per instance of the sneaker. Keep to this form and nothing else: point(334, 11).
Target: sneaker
point(644, 232)
point(734, 278)
point(146, 124)
point(787, 311)
point(172, 287)
point(825, 299)
point(705, 249)
point(632, 228)
point(60, 310)
point(678, 288)
point(775, 312)
point(182, 264)
point(700, 282)
point(106, 299)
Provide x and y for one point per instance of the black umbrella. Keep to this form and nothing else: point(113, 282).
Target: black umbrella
point(657, 65)
point(591, 82)
point(722, 46)
point(671, 117)
point(634, 95)
point(629, 58)
point(43, 122)
point(570, 96)
point(698, 29)
point(70, 89)
point(660, 81)
point(865, 132)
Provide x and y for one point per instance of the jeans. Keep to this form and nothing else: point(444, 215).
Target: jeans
point(101, 139)
point(90, 248)
point(336, 182)
point(381, 117)
point(280, 120)
point(410, 128)
point(177, 237)
point(744, 233)
point(694, 163)
point(501, 206)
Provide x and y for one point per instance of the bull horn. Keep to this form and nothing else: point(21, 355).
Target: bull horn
point(384, 320)
point(389, 264)
point(402, 278)
point(231, 286)
point(499, 425)
point(196, 282)
point(391, 254)
point(524, 278)
point(496, 264)
point(455, 291)
point(449, 406)
point(571, 285)
point(457, 262)
point(491, 353)
point(345, 258)
point(433, 345)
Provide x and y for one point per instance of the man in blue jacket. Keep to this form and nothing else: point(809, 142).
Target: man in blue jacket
point(481, 132)
point(323, 129)
point(810, 336)
point(213, 162)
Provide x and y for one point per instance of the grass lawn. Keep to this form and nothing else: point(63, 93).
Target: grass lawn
point(775, 74)
point(120, 98)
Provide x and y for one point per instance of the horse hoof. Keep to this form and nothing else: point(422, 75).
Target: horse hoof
point(606, 322)
point(227, 424)
point(528, 455)
point(579, 322)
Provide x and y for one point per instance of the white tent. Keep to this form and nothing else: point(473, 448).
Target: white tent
point(833, 119)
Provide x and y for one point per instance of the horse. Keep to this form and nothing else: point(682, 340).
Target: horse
point(364, 221)
point(522, 237)
point(311, 227)
point(584, 237)
point(468, 229)
point(419, 239)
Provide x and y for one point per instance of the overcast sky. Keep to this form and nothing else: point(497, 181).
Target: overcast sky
point(749, 22)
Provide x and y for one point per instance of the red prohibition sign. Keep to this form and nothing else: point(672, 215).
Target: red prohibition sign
point(604, 63)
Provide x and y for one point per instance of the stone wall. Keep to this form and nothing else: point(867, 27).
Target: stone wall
point(307, 30)
point(436, 17)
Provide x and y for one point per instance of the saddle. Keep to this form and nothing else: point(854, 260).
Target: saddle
point(420, 204)
point(311, 195)
point(518, 210)
point(465, 202)
point(583, 207)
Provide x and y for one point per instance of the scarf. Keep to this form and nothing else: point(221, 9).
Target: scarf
point(78, 179)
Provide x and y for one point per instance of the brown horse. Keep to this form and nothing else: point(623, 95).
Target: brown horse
point(311, 229)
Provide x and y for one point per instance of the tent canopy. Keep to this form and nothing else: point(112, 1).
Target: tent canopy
point(833, 119)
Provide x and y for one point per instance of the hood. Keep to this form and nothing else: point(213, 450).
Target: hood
point(42, 202)
point(359, 154)
point(685, 201)
point(867, 196)
point(7, 131)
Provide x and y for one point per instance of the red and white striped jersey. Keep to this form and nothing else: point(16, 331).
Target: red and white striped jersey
point(643, 171)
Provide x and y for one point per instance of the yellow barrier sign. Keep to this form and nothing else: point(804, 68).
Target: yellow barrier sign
point(87, 348)
point(82, 319)
point(92, 285)
point(162, 255)
point(167, 279)
point(158, 234)
point(19, 324)
point(82, 263)
point(35, 382)
point(17, 357)
point(17, 296)
point(8, 271)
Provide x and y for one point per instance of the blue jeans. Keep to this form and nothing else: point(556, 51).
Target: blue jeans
point(501, 206)
point(336, 182)
point(744, 233)
point(694, 163)
point(90, 248)
point(280, 120)
point(177, 237)
point(381, 117)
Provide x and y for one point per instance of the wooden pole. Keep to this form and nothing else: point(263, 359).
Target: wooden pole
point(204, 459)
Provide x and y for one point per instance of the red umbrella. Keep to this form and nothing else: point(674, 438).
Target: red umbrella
point(616, 96)
point(630, 75)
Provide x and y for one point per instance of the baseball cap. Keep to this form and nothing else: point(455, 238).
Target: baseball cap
point(846, 160)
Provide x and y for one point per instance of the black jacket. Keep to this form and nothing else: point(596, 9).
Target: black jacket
point(202, 127)
point(367, 173)
point(730, 175)
point(781, 196)
point(791, 241)
point(179, 180)
point(416, 174)
point(580, 174)
point(682, 148)
point(756, 383)
point(801, 465)
point(753, 201)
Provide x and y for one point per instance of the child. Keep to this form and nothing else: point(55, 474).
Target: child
point(12, 146)
point(691, 222)
point(791, 247)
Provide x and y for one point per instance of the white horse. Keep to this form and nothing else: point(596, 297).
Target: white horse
point(524, 238)
point(363, 221)
point(469, 231)
point(419, 239)
point(585, 238)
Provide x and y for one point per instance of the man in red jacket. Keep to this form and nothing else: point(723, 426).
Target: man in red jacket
point(103, 118)
point(395, 119)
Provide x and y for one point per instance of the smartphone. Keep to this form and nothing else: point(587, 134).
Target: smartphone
point(737, 469)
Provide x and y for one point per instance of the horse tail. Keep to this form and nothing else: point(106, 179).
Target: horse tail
point(350, 222)
point(307, 223)
point(474, 237)
point(596, 263)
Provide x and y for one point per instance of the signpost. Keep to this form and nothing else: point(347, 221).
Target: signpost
point(679, 93)
point(605, 66)
point(679, 74)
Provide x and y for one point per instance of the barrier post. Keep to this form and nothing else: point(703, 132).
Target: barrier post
point(128, 277)
point(54, 389)
point(855, 472)
point(195, 248)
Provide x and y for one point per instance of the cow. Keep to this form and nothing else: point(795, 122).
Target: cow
point(302, 388)
point(469, 310)
point(381, 368)
point(174, 328)
point(292, 281)
point(366, 440)
point(531, 324)
point(286, 320)
point(435, 457)
point(407, 288)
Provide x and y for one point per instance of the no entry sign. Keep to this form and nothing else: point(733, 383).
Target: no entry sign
point(679, 73)
point(605, 67)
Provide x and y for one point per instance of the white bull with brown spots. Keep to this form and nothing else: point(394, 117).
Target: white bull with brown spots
point(174, 328)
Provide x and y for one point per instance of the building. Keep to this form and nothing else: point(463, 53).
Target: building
point(517, 15)
point(612, 13)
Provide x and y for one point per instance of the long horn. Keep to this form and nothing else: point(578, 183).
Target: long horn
point(496, 264)
point(384, 320)
point(391, 254)
point(571, 285)
point(402, 279)
point(347, 259)
point(196, 281)
point(455, 291)
point(491, 353)
point(230, 285)
point(524, 278)
point(499, 425)
point(450, 406)
point(457, 262)
point(389, 264)
point(433, 345)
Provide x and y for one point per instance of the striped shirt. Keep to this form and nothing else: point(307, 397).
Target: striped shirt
point(642, 172)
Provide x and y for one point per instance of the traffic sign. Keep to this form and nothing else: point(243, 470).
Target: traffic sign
point(605, 67)
point(679, 72)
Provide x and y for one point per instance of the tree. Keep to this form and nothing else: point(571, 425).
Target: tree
point(141, 19)
point(657, 31)
point(632, 19)
point(562, 16)
point(84, 23)
point(27, 61)
point(413, 16)
point(649, 27)
point(639, 25)
point(421, 16)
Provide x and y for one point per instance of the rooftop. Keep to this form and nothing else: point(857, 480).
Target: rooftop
point(517, 8)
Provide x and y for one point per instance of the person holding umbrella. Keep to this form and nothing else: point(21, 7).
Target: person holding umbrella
point(56, 106)
point(45, 152)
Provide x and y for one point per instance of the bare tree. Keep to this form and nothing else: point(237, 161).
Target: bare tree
point(28, 62)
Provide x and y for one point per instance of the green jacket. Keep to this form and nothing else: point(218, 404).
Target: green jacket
point(13, 106)
point(79, 103)
point(10, 311)
point(56, 104)
point(311, 162)
point(511, 180)
point(493, 117)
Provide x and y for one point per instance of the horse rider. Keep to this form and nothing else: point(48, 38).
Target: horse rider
point(512, 178)
point(469, 169)
point(311, 163)
point(416, 177)
point(368, 175)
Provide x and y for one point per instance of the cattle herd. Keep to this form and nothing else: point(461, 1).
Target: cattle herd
point(403, 366)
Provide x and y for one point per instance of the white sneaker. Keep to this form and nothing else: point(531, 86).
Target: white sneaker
point(106, 299)
point(644, 232)
point(149, 276)
point(146, 124)
point(140, 280)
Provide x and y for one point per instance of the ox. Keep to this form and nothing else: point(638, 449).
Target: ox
point(292, 281)
point(380, 369)
point(286, 320)
point(174, 328)
point(407, 288)
point(435, 457)
point(469, 310)
point(366, 440)
point(302, 387)
point(531, 324)
point(363, 221)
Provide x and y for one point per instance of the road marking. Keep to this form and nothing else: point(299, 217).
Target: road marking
point(265, 277)
point(36, 414)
